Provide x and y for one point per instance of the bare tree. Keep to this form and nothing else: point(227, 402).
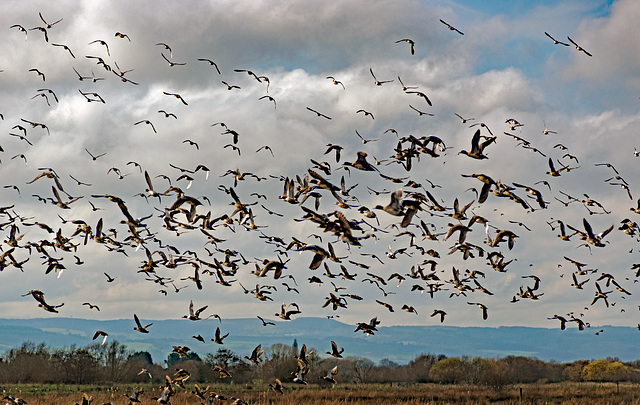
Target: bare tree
point(112, 357)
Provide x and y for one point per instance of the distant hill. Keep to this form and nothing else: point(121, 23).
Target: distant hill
point(397, 343)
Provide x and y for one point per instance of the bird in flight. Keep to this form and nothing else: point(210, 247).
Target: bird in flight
point(48, 25)
point(148, 123)
point(555, 41)
point(20, 28)
point(139, 327)
point(336, 82)
point(66, 48)
point(171, 63)
point(578, 47)
point(265, 323)
point(176, 95)
point(121, 35)
point(410, 42)
point(210, 62)
point(167, 47)
point(94, 157)
point(39, 73)
point(318, 113)
point(103, 334)
point(378, 82)
point(101, 42)
point(485, 315)
point(451, 27)
point(477, 148)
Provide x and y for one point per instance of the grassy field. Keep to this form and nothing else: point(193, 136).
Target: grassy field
point(563, 393)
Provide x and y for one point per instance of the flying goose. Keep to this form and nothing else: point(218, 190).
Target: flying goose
point(255, 355)
point(485, 315)
point(101, 333)
point(65, 47)
point(218, 337)
point(336, 82)
point(334, 350)
point(195, 315)
point(578, 47)
point(330, 375)
point(212, 63)
point(101, 42)
point(477, 148)
point(378, 82)
point(562, 320)
point(410, 42)
point(439, 312)
point(555, 41)
point(121, 35)
point(451, 28)
point(139, 327)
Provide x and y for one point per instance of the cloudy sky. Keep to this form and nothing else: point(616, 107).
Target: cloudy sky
point(503, 67)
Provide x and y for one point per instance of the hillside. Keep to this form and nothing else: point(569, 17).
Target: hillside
point(397, 343)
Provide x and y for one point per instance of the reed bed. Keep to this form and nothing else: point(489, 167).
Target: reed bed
point(376, 394)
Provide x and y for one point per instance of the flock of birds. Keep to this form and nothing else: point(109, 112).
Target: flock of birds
point(411, 216)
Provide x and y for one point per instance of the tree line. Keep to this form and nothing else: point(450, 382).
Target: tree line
point(114, 363)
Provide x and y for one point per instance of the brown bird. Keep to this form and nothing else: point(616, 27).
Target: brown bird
point(195, 315)
point(485, 315)
point(334, 350)
point(255, 355)
point(439, 312)
point(286, 315)
point(101, 333)
point(277, 386)
point(139, 327)
point(562, 320)
point(477, 148)
point(218, 337)
point(330, 375)
point(386, 305)
point(39, 297)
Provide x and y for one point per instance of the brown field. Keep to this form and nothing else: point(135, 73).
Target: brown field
point(561, 393)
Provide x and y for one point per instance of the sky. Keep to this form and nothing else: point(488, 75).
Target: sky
point(502, 68)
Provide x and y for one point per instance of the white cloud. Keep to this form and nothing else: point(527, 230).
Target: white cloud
point(297, 44)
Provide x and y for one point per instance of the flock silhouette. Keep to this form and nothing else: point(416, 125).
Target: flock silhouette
point(312, 230)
